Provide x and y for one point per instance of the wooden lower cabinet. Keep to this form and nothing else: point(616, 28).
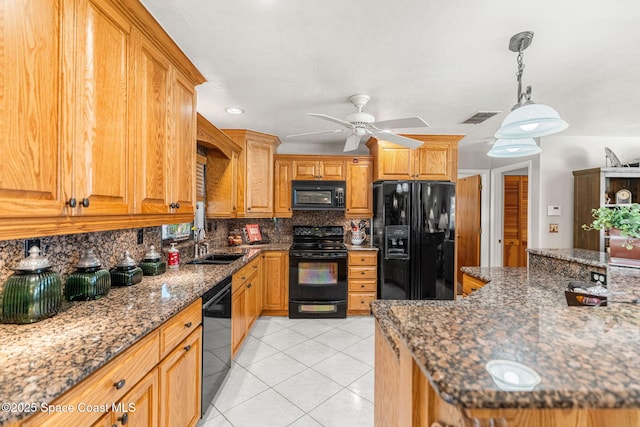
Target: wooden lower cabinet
point(362, 281)
point(246, 301)
point(275, 283)
point(140, 387)
point(180, 383)
point(471, 284)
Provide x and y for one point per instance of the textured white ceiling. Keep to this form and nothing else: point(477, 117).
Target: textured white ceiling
point(442, 60)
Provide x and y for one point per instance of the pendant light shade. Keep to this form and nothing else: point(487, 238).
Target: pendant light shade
point(514, 148)
point(531, 121)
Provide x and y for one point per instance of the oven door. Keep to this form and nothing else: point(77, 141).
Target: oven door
point(316, 277)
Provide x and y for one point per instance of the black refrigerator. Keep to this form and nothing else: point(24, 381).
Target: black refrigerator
point(414, 230)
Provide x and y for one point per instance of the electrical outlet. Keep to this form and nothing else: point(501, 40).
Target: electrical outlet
point(29, 243)
point(599, 277)
point(553, 228)
point(140, 236)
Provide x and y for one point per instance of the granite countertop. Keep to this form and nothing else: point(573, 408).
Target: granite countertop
point(582, 256)
point(40, 361)
point(586, 357)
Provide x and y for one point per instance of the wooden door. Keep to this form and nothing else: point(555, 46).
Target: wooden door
point(30, 102)
point(306, 170)
point(282, 189)
point(99, 167)
point(433, 162)
point(515, 221)
point(139, 407)
point(259, 181)
point(586, 196)
point(332, 170)
point(468, 212)
point(275, 283)
point(359, 203)
point(180, 379)
point(153, 82)
point(183, 153)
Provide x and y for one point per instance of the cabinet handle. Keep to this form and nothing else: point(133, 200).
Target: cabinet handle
point(187, 348)
point(362, 286)
point(362, 259)
point(362, 272)
point(124, 419)
point(172, 205)
point(177, 205)
point(248, 209)
point(85, 202)
point(120, 384)
point(242, 278)
point(188, 324)
point(249, 285)
point(474, 289)
point(72, 202)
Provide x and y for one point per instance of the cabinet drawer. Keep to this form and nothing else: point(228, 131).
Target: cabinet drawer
point(367, 285)
point(179, 326)
point(363, 258)
point(101, 388)
point(362, 273)
point(244, 275)
point(360, 300)
point(471, 284)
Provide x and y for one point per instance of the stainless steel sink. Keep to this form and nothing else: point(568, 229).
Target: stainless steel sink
point(217, 259)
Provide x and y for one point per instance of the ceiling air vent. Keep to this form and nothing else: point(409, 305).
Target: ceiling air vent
point(480, 117)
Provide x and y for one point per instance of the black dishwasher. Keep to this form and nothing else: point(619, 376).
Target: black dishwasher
point(216, 339)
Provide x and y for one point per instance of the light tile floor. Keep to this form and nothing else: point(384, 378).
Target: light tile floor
point(299, 373)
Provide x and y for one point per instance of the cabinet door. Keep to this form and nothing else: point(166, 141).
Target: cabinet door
point(30, 118)
point(282, 189)
point(433, 161)
point(359, 189)
point(394, 161)
point(139, 407)
point(306, 169)
point(180, 379)
point(275, 283)
point(221, 184)
point(99, 166)
point(238, 319)
point(183, 151)
point(153, 82)
point(259, 177)
point(332, 170)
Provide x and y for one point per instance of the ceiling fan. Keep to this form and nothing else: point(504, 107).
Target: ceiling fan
point(360, 123)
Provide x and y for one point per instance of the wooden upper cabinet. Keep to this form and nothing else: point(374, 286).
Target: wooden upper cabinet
point(282, 188)
point(30, 118)
point(98, 169)
point(305, 168)
point(359, 203)
point(255, 172)
point(436, 159)
point(222, 169)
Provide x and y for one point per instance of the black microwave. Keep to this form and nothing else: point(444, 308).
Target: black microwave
point(317, 195)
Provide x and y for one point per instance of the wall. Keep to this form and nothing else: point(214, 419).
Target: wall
point(560, 156)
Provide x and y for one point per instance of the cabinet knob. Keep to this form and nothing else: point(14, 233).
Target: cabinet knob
point(249, 285)
point(362, 286)
point(362, 272)
point(72, 202)
point(124, 419)
point(85, 202)
point(172, 205)
point(177, 205)
point(120, 384)
point(188, 324)
point(187, 348)
point(248, 208)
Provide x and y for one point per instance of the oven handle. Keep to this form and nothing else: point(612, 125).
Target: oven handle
point(311, 256)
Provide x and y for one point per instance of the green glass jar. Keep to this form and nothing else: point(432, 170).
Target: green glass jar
point(126, 272)
point(152, 263)
point(33, 293)
point(89, 281)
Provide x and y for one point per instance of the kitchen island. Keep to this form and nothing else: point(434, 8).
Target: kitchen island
point(431, 356)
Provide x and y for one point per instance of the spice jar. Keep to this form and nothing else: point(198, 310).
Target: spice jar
point(33, 292)
point(89, 281)
point(126, 271)
point(152, 263)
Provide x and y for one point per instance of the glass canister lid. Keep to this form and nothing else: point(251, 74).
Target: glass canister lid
point(126, 261)
point(34, 262)
point(152, 254)
point(88, 259)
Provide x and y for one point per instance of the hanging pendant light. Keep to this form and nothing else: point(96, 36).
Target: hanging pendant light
point(514, 148)
point(527, 119)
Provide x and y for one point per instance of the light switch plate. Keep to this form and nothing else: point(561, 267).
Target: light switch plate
point(554, 210)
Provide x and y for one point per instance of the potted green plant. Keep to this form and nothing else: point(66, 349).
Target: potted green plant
point(622, 223)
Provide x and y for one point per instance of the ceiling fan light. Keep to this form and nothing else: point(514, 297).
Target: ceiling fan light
point(514, 148)
point(531, 121)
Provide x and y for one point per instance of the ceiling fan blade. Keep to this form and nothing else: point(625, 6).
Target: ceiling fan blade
point(409, 122)
point(352, 142)
point(332, 119)
point(317, 133)
point(397, 139)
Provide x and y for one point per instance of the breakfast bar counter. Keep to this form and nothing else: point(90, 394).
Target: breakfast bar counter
point(573, 365)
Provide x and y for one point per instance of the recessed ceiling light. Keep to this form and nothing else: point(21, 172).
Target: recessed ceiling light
point(234, 110)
